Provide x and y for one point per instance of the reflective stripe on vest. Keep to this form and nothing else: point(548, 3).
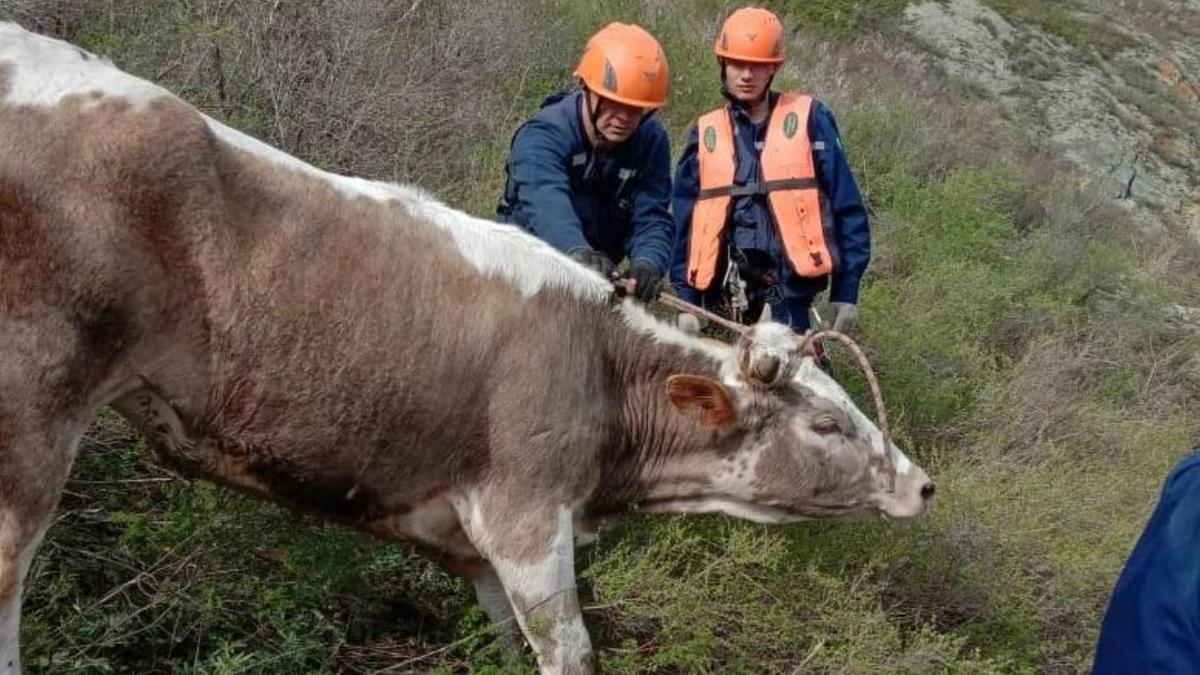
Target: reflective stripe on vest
point(789, 180)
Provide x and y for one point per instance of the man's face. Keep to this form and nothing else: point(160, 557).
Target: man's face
point(615, 121)
point(748, 81)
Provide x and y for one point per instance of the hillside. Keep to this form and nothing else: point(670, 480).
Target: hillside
point(1115, 87)
point(1032, 312)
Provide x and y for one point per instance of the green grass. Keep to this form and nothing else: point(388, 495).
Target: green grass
point(839, 17)
point(1094, 37)
point(1018, 331)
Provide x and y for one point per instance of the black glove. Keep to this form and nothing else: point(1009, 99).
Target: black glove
point(646, 277)
point(595, 260)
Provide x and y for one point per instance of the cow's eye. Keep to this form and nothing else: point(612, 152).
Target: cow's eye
point(826, 424)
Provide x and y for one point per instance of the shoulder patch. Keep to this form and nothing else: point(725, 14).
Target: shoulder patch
point(710, 138)
point(790, 124)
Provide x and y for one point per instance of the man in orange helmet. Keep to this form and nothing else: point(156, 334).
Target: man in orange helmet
point(767, 211)
point(591, 172)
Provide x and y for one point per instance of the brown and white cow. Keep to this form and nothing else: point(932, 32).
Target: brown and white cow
point(273, 327)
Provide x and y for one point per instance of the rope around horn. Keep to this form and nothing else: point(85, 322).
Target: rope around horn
point(876, 392)
point(868, 371)
point(685, 306)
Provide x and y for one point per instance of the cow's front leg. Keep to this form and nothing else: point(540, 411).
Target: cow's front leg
point(533, 554)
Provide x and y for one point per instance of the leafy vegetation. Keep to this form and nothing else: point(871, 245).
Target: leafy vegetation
point(1022, 329)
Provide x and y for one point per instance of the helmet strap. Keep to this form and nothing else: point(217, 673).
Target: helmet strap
point(594, 115)
point(733, 100)
point(593, 112)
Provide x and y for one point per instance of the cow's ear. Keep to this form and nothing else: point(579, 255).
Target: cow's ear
point(703, 398)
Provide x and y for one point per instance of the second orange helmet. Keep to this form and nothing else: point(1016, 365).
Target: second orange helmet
point(751, 34)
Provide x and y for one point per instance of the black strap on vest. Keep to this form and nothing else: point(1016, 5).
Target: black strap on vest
point(759, 188)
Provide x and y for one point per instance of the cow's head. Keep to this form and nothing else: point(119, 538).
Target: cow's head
point(791, 442)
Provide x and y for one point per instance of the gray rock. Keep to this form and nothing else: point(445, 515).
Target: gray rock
point(1127, 113)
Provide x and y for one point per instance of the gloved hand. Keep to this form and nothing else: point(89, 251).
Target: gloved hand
point(646, 277)
point(595, 260)
point(845, 316)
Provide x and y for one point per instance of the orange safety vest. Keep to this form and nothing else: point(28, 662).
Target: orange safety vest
point(789, 180)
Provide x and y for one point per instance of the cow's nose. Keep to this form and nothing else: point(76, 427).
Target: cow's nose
point(927, 491)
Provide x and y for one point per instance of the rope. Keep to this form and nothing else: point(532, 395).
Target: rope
point(685, 306)
point(876, 392)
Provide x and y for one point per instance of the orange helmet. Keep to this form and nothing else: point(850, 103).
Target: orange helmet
point(751, 34)
point(625, 63)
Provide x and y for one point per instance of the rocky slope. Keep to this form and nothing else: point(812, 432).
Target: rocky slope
point(1114, 85)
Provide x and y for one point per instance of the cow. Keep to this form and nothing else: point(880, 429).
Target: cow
point(360, 350)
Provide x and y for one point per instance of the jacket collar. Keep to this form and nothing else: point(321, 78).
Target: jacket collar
point(739, 114)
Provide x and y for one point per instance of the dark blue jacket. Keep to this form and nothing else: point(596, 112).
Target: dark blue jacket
point(565, 193)
point(1153, 620)
point(753, 228)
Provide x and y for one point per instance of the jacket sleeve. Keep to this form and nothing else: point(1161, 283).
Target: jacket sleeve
point(849, 213)
point(687, 187)
point(539, 171)
point(652, 230)
point(1153, 617)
